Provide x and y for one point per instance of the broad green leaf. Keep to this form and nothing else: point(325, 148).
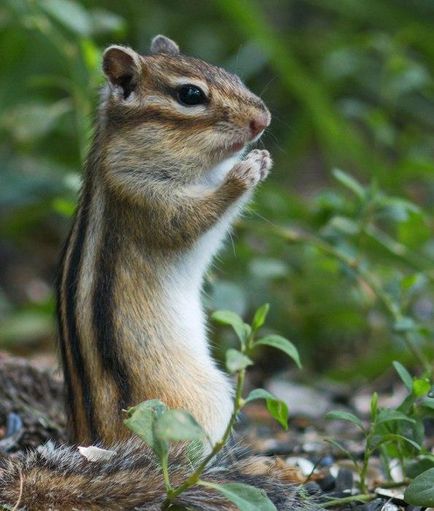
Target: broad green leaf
point(418, 465)
point(280, 343)
point(235, 360)
point(245, 497)
point(420, 491)
point(232, 319)
point(279, 411)
point(141, 419)
point(349, 182)
point(421, 387)
point(178, 425)
point(404, 375)
point(227, 318)
point(277, 408)
point(345, 416)
point(259, 394)
point(260, 317)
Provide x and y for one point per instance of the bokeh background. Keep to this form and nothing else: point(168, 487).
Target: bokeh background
point(350, 85)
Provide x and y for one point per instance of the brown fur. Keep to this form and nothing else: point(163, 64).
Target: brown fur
point(60, 479)
point(147, 203)
point(138, 214)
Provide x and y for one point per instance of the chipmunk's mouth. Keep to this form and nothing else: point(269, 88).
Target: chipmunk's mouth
point(236, 146)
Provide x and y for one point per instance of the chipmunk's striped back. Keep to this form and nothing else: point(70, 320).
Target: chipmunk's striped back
point(156, 202)
point(163, 182)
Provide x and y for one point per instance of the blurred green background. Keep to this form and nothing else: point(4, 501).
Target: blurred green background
point(350, 86)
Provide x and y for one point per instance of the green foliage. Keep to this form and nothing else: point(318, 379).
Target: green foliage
point(421, 491)
point(245, 497)
point(398, 434)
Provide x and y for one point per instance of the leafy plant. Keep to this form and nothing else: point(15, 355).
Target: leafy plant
point(397, 434)
point(157, 426)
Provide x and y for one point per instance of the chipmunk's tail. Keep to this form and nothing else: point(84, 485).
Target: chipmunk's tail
point(60, 478)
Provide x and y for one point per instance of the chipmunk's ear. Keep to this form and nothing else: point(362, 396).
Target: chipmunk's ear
point(162, 44)
point(122, 66)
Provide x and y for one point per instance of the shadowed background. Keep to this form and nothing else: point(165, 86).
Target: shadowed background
point(350, 86)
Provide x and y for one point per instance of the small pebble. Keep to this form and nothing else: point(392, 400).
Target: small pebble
point(344, 479)
point(390, 506)
point(14, 424)
point(328, 483)
point(326, 461)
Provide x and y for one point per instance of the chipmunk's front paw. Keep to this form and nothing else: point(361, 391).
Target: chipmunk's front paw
point(253, 169)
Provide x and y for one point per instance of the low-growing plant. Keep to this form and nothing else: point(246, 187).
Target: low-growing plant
point(394, 433)
point(158, 426)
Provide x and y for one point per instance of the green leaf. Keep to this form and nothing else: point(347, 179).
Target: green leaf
point(387, 415)
point(142, 422)
point(421, 387)
point(260, 317)
point(277, 408)
point(404, 375)
point(420, 491)
point(378, 440)
point(345, 416)
point(178, 425)
point(349, 182)
point(235, 360)
point(259, 394)
point(279, 342)
point(227, 318)
point(142, 417)
point(232, 319)
point(279, 411)
point(245, 497)
point(417, 466)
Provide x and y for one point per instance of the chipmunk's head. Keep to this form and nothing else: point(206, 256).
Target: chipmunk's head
point(179, 111)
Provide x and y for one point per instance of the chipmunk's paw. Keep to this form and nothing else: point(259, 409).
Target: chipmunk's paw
point(253, 169)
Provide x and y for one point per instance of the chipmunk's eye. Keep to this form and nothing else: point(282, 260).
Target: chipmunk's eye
point(191, 95)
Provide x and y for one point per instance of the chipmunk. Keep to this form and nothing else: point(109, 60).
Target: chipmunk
point(165, 177)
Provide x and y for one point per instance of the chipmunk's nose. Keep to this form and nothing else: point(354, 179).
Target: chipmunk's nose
point(259, 123)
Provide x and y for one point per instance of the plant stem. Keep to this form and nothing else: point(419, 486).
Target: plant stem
point(394, 484)
point(165, 469)
point(347, 500)
point(195, 476)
